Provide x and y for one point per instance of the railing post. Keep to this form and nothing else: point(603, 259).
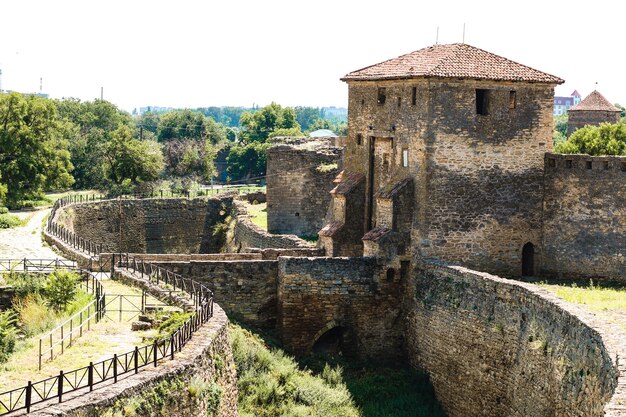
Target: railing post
point(40, 343)
point(60, 387)
point(29, 393)
point(154, 351)
point(136, 359)
point(115, 368)
point(90, 376)
point(172, 346)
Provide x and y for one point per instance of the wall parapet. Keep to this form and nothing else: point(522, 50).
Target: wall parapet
point(580, 163)
point(494, 347)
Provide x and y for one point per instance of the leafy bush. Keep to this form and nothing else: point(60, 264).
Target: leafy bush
point(606, 139)
point(61, 289)
point(8, 333)
point(25, 283)
point(9, 220)
point(270, 383)
point(3, 210)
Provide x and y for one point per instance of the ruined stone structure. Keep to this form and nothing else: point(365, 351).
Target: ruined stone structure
point(299, 178)
point(593, 110)
point(445, 156)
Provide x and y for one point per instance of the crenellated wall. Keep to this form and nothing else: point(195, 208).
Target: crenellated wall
point(584, 217)
point(497, 347)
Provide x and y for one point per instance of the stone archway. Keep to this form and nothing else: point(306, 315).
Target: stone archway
point(528, 260)
point(329, 339)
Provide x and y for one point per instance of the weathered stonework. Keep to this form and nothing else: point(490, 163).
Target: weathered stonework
point(496, 347)
point(299, 178)
point(477, 179)
point(176, 225)
point(316, 295)
point(584, 217)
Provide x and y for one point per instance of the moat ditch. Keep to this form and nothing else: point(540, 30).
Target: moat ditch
point(272, 383)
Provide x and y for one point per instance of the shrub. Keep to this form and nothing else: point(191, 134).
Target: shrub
point(61, 289)
point(9, 220)
point(8, 333)
point(3, 210)
point(25, 283)
point(172, 324)
point(35, 316)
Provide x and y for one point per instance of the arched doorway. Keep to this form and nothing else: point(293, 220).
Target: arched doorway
point(528, 260)
point(330, 343)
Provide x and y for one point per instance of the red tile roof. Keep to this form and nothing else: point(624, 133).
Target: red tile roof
point(458, 60)
point(595, 102)
point(349, 181)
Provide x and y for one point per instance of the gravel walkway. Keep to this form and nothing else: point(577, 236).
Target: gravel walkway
point(26, 241)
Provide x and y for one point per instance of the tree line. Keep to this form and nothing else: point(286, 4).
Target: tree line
point(48, 144)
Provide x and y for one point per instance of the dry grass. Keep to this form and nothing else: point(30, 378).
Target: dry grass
point(105, 338)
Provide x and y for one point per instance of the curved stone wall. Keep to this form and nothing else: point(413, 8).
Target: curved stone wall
point(187, 386)
point(496, 347)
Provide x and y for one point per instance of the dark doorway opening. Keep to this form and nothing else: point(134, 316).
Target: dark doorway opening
point(528, 260)
point(330, 342)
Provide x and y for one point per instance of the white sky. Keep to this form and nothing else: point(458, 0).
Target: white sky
point(188, 53)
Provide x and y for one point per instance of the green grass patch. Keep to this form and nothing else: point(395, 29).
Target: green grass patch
point(595, 297)
point(258, 214)
point(608, 301)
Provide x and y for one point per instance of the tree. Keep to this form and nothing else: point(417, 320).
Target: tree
point(249, 161)
point(606, 139)
point(560, 124)
point(307, 116)
point(189, 125)
point(128, 159)
point(90, 126)
point(258, 126)
point(34, 157)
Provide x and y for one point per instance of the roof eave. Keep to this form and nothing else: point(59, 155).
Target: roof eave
point(556, 81)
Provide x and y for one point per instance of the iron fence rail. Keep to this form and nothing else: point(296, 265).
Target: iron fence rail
point(120, 364)
point(36, 265)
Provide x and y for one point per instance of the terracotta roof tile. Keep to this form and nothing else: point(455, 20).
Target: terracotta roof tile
point(349, 180)
point(376, 234)
point(456, 60)
point(330, 229)
point(595, 101)
point(393, 188)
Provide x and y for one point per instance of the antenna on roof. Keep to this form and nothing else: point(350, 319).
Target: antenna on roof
point(437, 39)
point(463, 33)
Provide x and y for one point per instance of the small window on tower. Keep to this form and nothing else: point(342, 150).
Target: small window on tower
point(414, 96)
point(482, 102)
point(512, 100)
point(382, 95)
point(399, 101)
point(359, 139)
point(405, 158)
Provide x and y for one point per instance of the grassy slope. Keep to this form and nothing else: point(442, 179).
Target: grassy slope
point(272, 384)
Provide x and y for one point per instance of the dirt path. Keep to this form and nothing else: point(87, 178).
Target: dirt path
point(26, 241)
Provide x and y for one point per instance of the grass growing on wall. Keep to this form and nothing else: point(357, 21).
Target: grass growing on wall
point(273, 384)
point(258, 214)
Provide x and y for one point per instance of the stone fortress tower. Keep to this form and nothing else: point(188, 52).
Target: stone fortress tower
point(593, 110)
point(444, 158)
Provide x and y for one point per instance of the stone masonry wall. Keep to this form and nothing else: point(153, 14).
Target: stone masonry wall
point(581, 118)
point(496, 347)
point(584, 217)
point(247, 288)
point(299, 178)
point(246, 234)
point(318, 294)
point(175, 225)
point(206, 361)
point(477, 178)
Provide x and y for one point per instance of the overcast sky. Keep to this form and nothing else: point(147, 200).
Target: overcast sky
point(238, 52)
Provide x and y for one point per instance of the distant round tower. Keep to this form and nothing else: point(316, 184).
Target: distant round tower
point(593, 110)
